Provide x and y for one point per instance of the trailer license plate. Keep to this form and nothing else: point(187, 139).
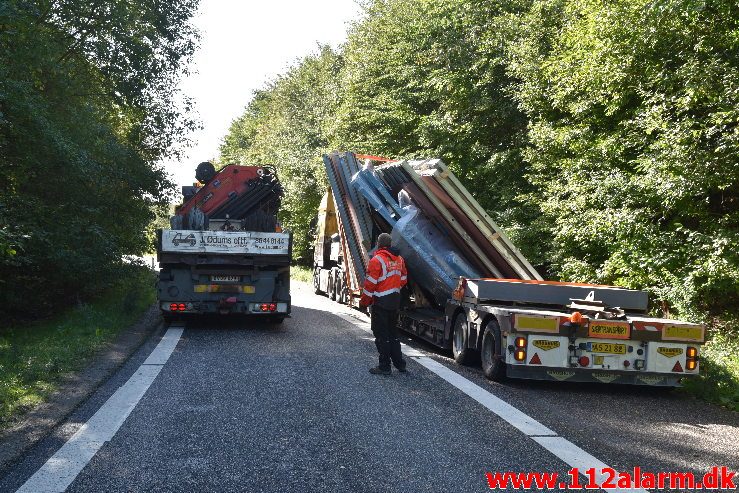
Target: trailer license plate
point(608, 347)
point(225, 278)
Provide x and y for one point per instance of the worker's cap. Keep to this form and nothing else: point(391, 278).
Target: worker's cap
point(384, 240)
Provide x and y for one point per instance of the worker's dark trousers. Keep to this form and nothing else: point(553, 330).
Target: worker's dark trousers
point(386, 337)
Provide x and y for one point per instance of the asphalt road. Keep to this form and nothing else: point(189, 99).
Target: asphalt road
point(242, 406)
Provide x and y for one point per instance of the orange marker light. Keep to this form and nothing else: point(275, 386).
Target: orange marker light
point(520, 342)
point(691, 365)
point(576, 318)
point(520, 355)
point(691, 352)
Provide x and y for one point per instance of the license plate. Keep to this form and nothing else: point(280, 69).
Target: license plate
point(682, 333)
point(608, 347)
point(225, 278)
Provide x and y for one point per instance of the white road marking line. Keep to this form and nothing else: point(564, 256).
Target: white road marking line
point(62, 468)
point(164, 349)
point(522, 422)
point(560, 447)
point(574, 456)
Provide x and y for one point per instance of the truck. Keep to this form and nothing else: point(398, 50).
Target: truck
point(473, 293)
point(225, 252)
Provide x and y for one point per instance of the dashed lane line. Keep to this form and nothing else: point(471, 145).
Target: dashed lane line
point(562, 448)
point(62, 468)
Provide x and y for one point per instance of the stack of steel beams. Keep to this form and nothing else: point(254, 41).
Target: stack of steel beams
point(469, 243)
point(475, 222)
point(354, 217)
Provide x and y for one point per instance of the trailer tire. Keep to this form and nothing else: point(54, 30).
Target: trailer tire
point(316, 283)
point(340, 289)
point(462, 354)
point(493, 364)
point(331, 286)
point(344, 299)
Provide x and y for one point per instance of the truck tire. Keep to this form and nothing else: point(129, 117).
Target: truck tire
point(462, 354)
point(332, 286)
point(493, 362)
point(316, 283)
point(343, 294)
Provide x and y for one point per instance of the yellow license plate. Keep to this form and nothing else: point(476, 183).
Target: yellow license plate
point(223, 288)
point(682, 333)
point(608, 347)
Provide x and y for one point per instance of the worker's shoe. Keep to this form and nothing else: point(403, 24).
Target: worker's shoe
point(402, 369)
point(379, 370)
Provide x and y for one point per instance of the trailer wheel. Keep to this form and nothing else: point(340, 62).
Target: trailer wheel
point(316, 283)
point(462, 354)
point(340, 289)
point(331, 286)
point(493, 364)
point(344, 297)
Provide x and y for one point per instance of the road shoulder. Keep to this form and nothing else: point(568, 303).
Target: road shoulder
point(37, 423)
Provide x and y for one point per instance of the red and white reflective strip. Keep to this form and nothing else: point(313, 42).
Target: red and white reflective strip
point(381, 293)
point(385, 273)
point(384, 267)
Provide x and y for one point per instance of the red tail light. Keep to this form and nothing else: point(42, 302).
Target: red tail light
point(181, 307)
point(264, 307)
point(273, 307)
point(173, 307)
point(584, 361)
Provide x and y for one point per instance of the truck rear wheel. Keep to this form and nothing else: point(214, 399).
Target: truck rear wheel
point(316, 283)
point(462, 354)
point(493, 364)
point(332, 286)
point(343, 295)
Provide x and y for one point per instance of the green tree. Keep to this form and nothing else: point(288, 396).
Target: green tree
point(87, 108)
point(286, 125)
point(429, 78)
point(635, 150)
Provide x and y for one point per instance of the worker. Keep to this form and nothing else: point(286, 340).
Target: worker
point(386, 276)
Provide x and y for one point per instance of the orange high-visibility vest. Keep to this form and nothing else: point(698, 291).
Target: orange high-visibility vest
point(386, 275)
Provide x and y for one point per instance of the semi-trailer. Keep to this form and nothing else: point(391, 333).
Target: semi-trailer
point(472, 292)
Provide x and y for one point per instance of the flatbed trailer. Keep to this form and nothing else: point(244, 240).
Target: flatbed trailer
point(542, 330)
point(509, 319)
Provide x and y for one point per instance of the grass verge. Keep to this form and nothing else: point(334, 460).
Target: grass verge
point(301, 273)
point(34, 357)
point(718, 381)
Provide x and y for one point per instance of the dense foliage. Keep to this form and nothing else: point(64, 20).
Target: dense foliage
point(602, 135)
point(87, 107)
point(286, 125)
